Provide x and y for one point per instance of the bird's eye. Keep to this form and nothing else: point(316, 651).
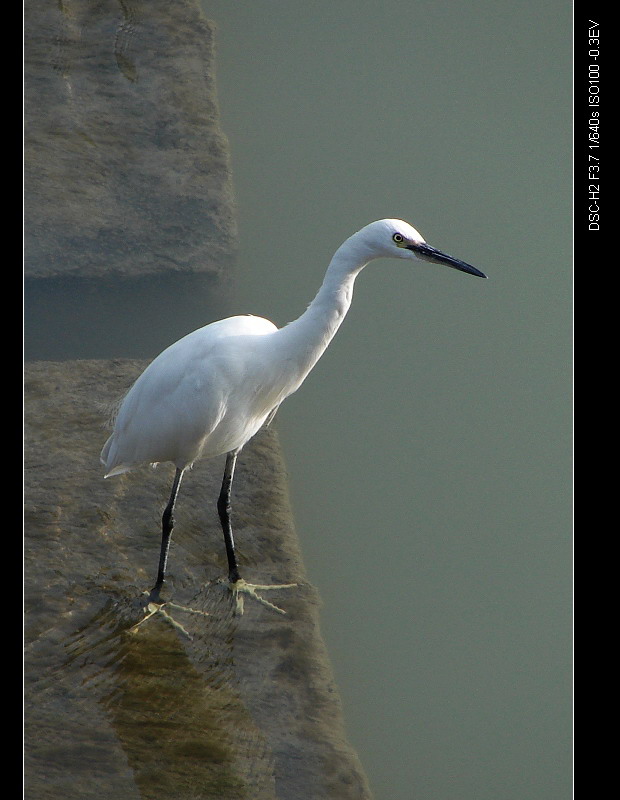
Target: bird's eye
point(398, 238)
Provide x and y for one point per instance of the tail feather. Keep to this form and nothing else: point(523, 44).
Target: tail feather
point(108, 460)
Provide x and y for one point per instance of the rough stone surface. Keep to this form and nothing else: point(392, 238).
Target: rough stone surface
point(246, 707)
point(128, 193)
point(126, 168)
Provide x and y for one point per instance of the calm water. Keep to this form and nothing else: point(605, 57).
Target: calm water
point(429, 450)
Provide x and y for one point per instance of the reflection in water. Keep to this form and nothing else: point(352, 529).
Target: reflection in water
point(151, 710)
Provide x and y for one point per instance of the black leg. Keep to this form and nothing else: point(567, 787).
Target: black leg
point(223, 509)
point(167, 524)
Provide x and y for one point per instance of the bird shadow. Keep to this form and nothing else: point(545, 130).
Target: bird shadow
point(102, 676)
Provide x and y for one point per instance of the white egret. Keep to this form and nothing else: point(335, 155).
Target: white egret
point(210, 392)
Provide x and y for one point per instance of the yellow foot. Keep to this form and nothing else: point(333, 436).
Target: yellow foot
point(158, 608)
point(240, 588)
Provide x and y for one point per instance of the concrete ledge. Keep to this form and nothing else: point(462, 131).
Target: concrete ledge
point(247, 706)
point(127, 170)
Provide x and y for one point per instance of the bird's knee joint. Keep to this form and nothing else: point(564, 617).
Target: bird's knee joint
point(224, 507)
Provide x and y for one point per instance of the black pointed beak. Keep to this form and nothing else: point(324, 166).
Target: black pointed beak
point(428, 253)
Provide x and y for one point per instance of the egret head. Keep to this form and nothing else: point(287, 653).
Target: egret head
point(393, 238)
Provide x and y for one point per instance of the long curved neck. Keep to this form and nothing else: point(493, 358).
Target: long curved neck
point(304, 341)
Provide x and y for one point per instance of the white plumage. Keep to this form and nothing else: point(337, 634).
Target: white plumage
point(211, 391)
